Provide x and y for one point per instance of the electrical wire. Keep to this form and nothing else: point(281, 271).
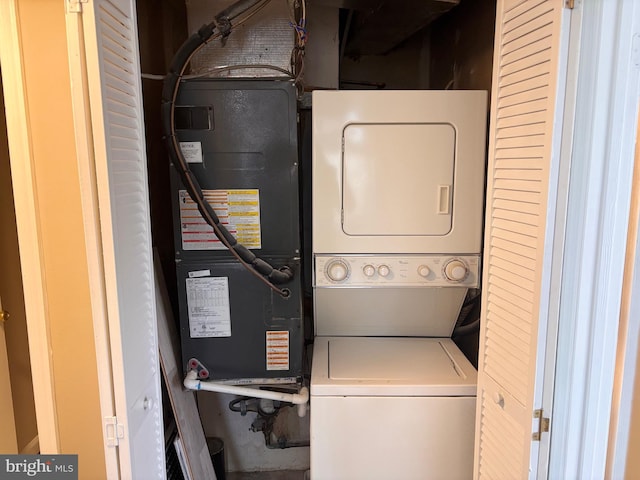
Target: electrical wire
point(242, 66)
point(250, 14)
point(298, 52)
point(224, 68)
point(152, 76)
point(224, 26)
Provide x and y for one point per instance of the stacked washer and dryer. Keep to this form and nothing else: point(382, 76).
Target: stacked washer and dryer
point(398, 195)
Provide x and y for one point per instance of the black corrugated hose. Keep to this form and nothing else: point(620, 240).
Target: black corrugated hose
point(221, 27)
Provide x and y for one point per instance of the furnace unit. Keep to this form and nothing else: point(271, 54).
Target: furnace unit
point(239, 138)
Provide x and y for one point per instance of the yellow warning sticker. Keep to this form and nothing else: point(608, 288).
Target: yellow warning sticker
point(238, 211)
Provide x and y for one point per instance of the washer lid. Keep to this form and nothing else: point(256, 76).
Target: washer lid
point(370, 366)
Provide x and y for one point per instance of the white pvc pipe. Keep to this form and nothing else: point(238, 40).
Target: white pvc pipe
point(192, 383)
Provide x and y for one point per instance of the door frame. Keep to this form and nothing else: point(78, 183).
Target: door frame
point(585, 364)
point(602, 157)
point(8, 439)
point(27, 221)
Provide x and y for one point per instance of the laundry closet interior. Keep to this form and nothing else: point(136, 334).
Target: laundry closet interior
point(324, 238)
point(384, 274)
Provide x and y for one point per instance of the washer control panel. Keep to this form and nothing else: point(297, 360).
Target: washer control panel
point(397, 270)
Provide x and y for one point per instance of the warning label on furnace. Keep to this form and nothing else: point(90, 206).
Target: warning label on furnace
point(278, 350)
point(238, 211)
point(208, 307)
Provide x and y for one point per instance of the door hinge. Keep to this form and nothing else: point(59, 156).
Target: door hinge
point(543, 425)
point(114, 431)
point(569, 4)
point(75, 6)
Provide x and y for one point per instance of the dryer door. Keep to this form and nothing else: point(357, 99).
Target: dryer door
point(398, 172)
point(397, 179)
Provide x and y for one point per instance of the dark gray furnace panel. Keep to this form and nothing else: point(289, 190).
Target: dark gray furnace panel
point(240, 139)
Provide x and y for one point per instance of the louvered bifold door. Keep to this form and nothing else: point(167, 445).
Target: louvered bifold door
point(524, 95)
point(115, 97)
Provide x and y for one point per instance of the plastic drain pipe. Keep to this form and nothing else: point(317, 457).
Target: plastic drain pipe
point(300, 399)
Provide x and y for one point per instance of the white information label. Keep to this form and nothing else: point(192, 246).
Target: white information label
point(278, 350)
point(238, 211)
point(200, 273)
point(192, 151)
point(208, 307)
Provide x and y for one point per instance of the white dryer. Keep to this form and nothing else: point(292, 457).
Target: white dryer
point(398, 184)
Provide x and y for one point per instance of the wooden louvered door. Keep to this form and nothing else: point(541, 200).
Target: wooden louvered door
point(124, 292)
point(528, 62)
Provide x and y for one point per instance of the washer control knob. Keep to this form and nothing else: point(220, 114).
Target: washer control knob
point(369, 270)
point(337, 270)
point(424, 271)
point(384, 270)
point(455, 270)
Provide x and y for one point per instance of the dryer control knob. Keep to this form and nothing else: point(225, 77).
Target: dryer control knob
point(384, 270)
point(424, 271)
point(337, 270)
point(369, 270)
point(455, 270)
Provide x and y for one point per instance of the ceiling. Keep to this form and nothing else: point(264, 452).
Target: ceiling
point(374, 27)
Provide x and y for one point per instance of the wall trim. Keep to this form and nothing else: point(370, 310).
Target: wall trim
point(596, 235)
point(31, 448)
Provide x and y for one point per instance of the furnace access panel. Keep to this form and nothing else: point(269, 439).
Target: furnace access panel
point(240, 140)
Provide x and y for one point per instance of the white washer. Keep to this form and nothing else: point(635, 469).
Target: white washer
point(391, 408)
point(398, 182)
point(386, 402)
